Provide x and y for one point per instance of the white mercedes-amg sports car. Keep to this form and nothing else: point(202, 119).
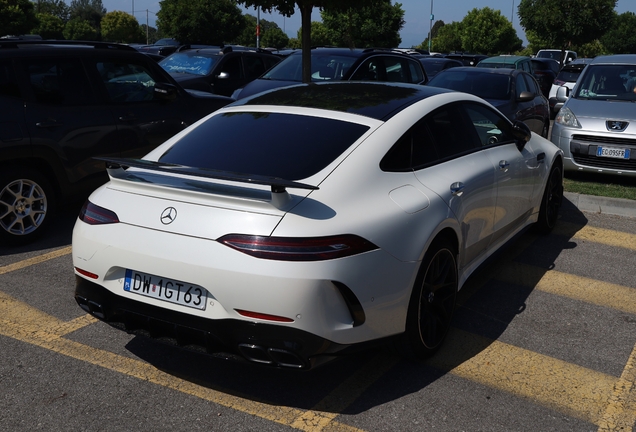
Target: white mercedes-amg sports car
point(303, 223)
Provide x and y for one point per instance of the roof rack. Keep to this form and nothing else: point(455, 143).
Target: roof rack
point(6, 43)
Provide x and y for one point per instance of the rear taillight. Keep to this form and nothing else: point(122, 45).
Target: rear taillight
point(298, 249)
point(96, 215)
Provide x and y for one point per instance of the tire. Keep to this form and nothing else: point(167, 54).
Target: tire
point(550, 202)
point(26, 205)
point(432, 301)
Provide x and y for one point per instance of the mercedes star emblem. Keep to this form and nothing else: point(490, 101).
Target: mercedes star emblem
point(168, 215)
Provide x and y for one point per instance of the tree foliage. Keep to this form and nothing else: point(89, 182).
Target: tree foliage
point(79, 29)
point(118, 26)
point(486, 31)
point(274, 38)
point(17, 17)
point(49, 27)
point(448, 38)
point(566, 23)
point(365, 26)
point(271, 34)
point(90, 11)
point(621, 37)
point(56, 8)
point(212, 22)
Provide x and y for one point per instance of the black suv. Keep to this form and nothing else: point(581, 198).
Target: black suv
point(342, 64)
point(218, 70)
point(61, 104)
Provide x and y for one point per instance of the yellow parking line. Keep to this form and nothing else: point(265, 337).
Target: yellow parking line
point(35, 260)
point(574, 390)
point(596, 235)
point(621, 410)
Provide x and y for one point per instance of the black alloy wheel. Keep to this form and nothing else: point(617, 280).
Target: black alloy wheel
point(551, 202)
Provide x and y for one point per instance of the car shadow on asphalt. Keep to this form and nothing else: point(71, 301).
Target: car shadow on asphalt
point(359, 382)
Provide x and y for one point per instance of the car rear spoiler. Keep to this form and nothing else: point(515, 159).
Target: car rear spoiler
point(279, 186)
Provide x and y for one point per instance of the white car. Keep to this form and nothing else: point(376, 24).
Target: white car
point(302, 223)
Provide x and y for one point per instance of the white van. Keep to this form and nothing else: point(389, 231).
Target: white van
point(555, 54)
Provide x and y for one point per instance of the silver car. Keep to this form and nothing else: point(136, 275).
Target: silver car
point(596, 128)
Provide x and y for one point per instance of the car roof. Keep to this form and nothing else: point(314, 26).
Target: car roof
point(474, 70)
point(378, 100)
point(61, 45)
point(629, 59)
point(505, 58)
point(352, 52)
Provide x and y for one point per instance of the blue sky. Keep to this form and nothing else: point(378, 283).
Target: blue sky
point(416, 14)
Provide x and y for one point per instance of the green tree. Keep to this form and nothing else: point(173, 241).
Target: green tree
point(49, 27)
point(591, 49)
point(287, 7)
point(90, 11)
point(366, 26)
point(248, 34)
point(212, 22)
point(17, 17)
point(566, 23)
point(57, 8)
point(621, 37)
point(448, 38)
point(274, 38)
point(118, 26)
point(320, 35)
point(434, 30)
point(79, 29)
point(487, 31)
point(151, 35)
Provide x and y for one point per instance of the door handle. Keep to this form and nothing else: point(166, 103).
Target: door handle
point(457, 188)
point(48, 124)
point(503, 165)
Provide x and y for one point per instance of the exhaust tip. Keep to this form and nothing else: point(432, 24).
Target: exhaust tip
point(255, 353)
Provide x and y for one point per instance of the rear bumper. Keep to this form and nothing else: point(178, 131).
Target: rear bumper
point(262, 343)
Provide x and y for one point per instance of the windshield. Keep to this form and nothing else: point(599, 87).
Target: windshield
point(188, 63)
point(324, 67)
point(287, 146)
point(485, 85)
point(608, 82)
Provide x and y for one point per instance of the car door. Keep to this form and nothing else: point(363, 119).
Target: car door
point(66, 119)
point(143, 120)
point(229, 75)
point(462, 174)
point(515, 170)
point(13, 133)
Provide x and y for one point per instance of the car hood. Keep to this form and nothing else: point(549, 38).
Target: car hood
point(602, 109)
point(261, 85)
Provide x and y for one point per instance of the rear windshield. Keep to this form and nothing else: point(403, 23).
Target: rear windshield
point(287, 146)
point(484, 85)
point(569, 75)
point(608, 82)
point(324, 67)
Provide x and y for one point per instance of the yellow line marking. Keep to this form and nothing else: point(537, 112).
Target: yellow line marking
point(566, 285)
point(27, 324)
point(35, 260)
point(621, 410)
point(321, 416)
point(596, 235)
point(556, 384)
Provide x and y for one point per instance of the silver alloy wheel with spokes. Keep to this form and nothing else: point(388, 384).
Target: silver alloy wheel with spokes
point(23, 207)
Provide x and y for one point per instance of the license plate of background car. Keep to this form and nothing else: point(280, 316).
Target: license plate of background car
point(169, 290)
point(613, 152)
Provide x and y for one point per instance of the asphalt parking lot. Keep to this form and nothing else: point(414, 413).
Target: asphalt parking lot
point(544, 338)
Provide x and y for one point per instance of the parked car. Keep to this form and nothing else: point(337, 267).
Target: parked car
point(545, 71)
point(64, 102)
point(507, 62)
point(341, 64)
point(218, 70)
point(433, 65)
point(567, 76)
point(233, 236)
point(596, 127)
point(512, 91)
point(466, 58)
point(164, 47)
point(563, 57)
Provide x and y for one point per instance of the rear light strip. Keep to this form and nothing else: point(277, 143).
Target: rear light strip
point(96, 215)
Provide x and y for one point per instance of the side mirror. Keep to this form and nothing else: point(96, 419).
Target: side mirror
point(525, 96)
point(562, 94)
point(522, 133)
point(223, 75)
point(165, 91)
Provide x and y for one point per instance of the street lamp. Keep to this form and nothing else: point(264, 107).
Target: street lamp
point(430, 28)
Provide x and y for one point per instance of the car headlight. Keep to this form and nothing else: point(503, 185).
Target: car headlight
point(567, 118)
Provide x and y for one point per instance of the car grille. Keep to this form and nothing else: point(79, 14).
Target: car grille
point(583, 149)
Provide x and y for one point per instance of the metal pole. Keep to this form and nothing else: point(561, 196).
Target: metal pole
point(430, 28)
point(258, 27)
point(512, 12)
point(147, 39)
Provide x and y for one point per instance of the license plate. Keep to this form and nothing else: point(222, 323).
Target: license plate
point(613, 152)
point(170, 290)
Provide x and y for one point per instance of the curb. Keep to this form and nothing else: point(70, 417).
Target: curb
point(603, 205)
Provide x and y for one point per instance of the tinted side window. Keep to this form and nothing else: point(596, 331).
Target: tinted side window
point(413, 149)
point(416, 72)
point(491, 128)
point(61, 82)
point(396, 70)
point(8, 83)
point(372, 69)
point(232, 67)
point(127, 82)
point(449, 132)
point(254, 66)
point(521, 84)
point(532, 85)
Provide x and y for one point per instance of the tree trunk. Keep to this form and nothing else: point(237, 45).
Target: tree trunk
point(305, 16)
